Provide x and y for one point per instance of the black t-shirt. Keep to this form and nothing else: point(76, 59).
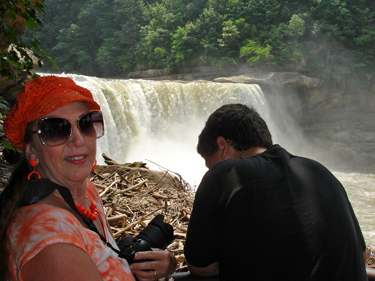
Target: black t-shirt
point(275, 216)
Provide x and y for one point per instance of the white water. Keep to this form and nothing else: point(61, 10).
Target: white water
point(160, 121)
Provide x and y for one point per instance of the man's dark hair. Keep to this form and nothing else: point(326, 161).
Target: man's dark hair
point(239, 125)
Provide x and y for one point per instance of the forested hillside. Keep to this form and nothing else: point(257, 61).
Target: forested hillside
point(333, 39)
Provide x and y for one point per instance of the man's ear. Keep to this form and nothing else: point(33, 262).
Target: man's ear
point(223, 146)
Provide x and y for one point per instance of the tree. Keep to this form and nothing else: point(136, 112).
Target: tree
point(16, 57)
point(230, 34)
point(209, 26)
point(296, 29)
point(156, 38)
point(78, 43)
point(55, 23)
point(118, 54)
point(256, 53)
point(343, 34)
point(184, 42)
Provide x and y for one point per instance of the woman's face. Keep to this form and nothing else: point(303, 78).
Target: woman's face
point(69, 163)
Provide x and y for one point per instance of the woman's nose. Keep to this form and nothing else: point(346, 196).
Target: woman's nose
point(76, 138)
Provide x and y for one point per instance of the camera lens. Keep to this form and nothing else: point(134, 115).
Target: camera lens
point(157, 234)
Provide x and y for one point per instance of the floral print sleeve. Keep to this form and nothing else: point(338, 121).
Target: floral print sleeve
point(38, 226)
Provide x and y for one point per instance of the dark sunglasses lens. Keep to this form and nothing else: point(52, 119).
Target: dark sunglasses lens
point(55, 131)
point(91, 125)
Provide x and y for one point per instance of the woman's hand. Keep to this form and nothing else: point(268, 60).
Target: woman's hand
point(162, 264)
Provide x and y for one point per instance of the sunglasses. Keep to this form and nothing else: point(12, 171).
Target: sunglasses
point(53, 130)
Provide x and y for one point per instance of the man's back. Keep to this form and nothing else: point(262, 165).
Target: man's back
point(275, 216)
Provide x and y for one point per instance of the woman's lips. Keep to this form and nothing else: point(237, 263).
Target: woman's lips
point(76, 158)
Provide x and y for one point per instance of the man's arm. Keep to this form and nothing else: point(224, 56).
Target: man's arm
point(211, 270)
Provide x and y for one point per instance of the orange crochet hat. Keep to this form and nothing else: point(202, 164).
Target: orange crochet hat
point(41, 96)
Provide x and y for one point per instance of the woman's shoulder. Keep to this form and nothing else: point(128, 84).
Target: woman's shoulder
point(43, 218)
point(40, 223)
point(37, 226)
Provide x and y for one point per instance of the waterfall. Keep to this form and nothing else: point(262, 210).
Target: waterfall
point(159, 121)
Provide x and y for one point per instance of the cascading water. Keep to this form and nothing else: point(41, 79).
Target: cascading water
point(160, 121)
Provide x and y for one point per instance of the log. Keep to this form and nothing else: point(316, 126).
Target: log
point(116, 218)
point(108, 188)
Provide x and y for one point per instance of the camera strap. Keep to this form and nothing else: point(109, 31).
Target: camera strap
point(46, 187)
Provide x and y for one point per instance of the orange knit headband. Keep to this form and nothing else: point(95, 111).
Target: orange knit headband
point(42, 96)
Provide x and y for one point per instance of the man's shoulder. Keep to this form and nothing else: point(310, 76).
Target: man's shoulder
point(275, 160)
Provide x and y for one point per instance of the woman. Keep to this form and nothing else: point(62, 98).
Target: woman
point(49, 204)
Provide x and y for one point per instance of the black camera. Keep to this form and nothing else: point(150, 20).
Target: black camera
point(157, 234)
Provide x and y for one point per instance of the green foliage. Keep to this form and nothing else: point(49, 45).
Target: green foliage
point(183, 41)
point(230, 34)
point(329, 38)
point(296, 26)
point(345, 24)
point(155, 35)
point(4, 108)
point(209, 27)
point(256, 53)
point(17, 60)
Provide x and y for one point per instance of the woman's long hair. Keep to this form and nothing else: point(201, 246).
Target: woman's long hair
point(10, 200)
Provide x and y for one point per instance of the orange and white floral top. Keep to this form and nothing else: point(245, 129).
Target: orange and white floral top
point(38, 226)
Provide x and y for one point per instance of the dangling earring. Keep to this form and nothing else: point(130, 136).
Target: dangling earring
point(33, 164)
point(93, 167)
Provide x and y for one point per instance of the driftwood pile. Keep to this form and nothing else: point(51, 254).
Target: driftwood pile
point(133, 195)
point(370, 257)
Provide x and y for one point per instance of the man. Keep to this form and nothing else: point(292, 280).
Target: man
point(261, 213)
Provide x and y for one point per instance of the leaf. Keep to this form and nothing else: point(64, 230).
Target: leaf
point(39, 5)
point(30, 23)
point(37, 48)
point(6, 145)
point(3, 101)
point(12, 15)
point(14, 63)
point(53, 62)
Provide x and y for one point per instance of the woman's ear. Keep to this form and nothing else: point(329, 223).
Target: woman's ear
point(29, 153)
